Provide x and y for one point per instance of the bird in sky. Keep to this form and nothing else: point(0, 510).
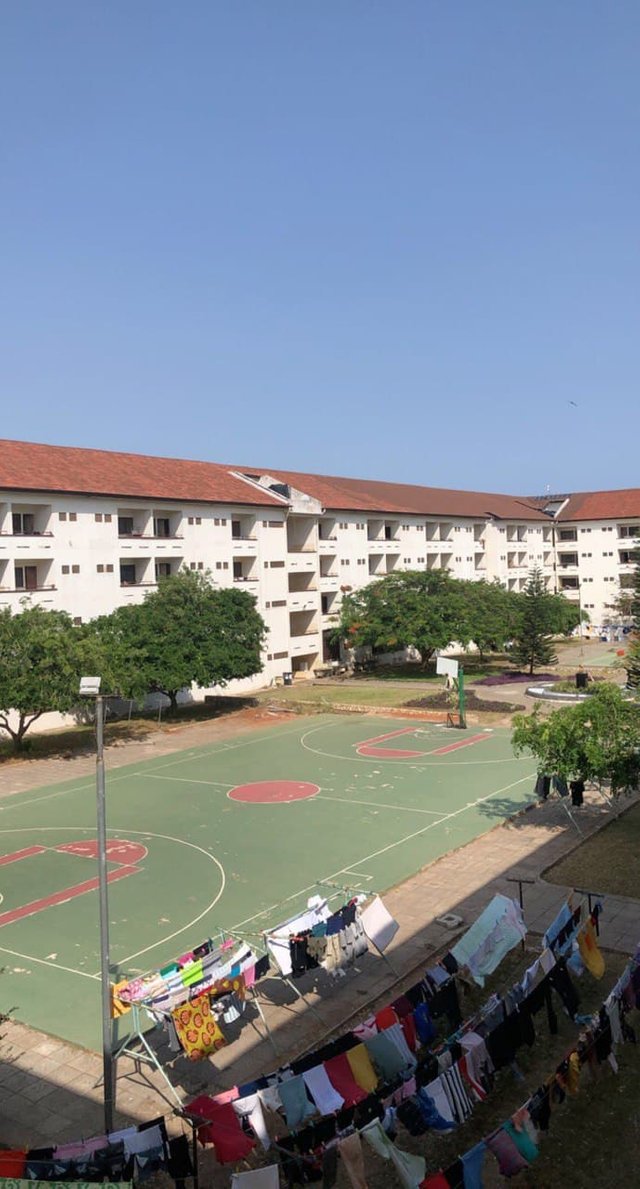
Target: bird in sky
point(574, 403)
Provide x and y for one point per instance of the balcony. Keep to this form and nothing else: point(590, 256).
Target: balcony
point(305, 645)
point(328, 582)
point(303, 601)
point(305, 562)
point(327, 545)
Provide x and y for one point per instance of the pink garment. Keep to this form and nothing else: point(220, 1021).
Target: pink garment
point(227, 1095)
point(366, 1029)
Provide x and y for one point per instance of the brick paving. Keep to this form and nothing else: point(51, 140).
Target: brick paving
point(49, 1090)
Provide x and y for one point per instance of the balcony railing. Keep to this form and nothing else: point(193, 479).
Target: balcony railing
point(34, 533)
point(27, 589)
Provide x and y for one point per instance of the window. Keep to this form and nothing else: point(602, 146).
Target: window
point(97, 517)
point(567, 534)
point(276, 523)
point(277, 565)
point(127, 574)
point(345, 561)
point(100, 569)
point(125, 526)
point(62, 515)
point(624, 530)
point(23, 524)
point(73, 516)
point(280, 656)
point(189, 519)
point(26, 577)
point(237, 571)
point(107, 518)
point(161, 526)
point(192, 565)
point(279, 603)
point(201, 565)
point(65, 569)
point(75, 569)
point(77, 619)
point(236, 530)
point(109, 569)
point(218, 565)
point(163, 569)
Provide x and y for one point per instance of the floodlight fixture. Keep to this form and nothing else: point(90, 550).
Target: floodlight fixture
point(90, 687)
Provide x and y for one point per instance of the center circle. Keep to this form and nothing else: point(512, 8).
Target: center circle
point(273, 792)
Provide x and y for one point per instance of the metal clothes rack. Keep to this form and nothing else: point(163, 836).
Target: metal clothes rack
point(135, 1044)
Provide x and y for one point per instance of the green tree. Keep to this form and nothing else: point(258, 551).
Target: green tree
point(420, 608)
point(597, 740)
point(492, 614)
point(533, 645)
point(186, 632)
point(42, 658)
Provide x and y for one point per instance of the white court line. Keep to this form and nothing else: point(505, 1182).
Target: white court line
point(17, 801)
point(185, 780)
point(417, 764)
point(384, 849)
point(378, 805)
point(143, 834)
point(44, 962)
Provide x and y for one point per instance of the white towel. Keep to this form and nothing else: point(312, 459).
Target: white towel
point(259, 1178)
point(378, 924)
point(250, 1108)
point(324, 1095)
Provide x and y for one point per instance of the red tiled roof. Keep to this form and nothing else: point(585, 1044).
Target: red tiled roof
point(603, 505)
point(30, 466)
point(372, 495)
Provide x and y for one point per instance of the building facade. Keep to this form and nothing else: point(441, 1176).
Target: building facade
point(86, 531)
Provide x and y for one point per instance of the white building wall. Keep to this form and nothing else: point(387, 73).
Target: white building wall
point(593, 563)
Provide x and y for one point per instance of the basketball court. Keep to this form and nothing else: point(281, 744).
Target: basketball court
point(211, 837)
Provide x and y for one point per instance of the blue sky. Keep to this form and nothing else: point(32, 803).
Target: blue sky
point(386, 239)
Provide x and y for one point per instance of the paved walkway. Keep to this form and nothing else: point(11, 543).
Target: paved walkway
point(48, 1090)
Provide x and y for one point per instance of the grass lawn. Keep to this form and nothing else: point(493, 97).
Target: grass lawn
point(612, 853)
point(592, 1138)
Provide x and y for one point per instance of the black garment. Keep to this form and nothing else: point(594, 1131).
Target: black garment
point(540, 1108)
point(297, 1170)
point(410, 1116)
point(454, 1174)
point(300, 961)
point(543, 787)
point(449, 963)
point(39, 1166)
point(426, 1070)
point(330, 1167)
point(344, 1117)
point(262, 966)
point(581, 680)
point(541, 997)
point(366, 1111)
point(603, 1038)
point(445, 1003)
point(319, 1056)
point(560, 786)
point(325, 1129)
point(417, 994)
point(179, 1164)
point(561, 982)
point(577, 792)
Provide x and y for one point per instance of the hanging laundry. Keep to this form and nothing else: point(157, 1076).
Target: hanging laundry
point(197, 1030)
point(220, 1126)
point(410, 1169)
point(350, 1149)
point(510, 1161)
point(362, 1069)
point(497, 930)
point(295, 1101)
point(249, 1108)
point(472, 1166)
point(259, 1178)
point(589, 951)
point(325, 1096)
point(278, 939)
point(341, 1077)
point(378, 924)
point(12, 1163)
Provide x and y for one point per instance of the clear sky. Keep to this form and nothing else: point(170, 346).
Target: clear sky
point(392, 239)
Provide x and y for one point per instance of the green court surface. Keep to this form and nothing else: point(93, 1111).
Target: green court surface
point(363, 801)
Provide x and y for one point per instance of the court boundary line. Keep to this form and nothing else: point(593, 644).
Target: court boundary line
point(144, 834)
point(385, 849)
point(329, 755)
point(377, 805)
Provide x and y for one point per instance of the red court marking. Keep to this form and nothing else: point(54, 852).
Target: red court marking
point(368, 747)
point(273, 792)
point(79, 889)
point(16, 855)
point(388, 753)
point(118, 850)
point(441, 751)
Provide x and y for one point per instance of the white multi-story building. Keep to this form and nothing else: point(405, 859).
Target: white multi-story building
point(88, 530)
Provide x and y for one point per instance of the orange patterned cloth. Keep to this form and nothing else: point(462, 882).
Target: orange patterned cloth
point(198, 1031)
point(226, 986)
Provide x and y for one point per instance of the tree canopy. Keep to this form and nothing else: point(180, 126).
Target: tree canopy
point(419, 608)
point(43, 655)
point(632, 659)
point(185, 632)
point(533, 647)
point(597, 740)
point(492, 614)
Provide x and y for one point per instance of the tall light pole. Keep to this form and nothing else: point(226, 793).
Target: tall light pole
point(90, 688)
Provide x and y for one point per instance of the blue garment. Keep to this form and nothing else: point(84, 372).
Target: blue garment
point(555, 928)
point(497, 931)
point(424, 1025)
point(472, 1165)
point(293, 1095)
point(430, 1113)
